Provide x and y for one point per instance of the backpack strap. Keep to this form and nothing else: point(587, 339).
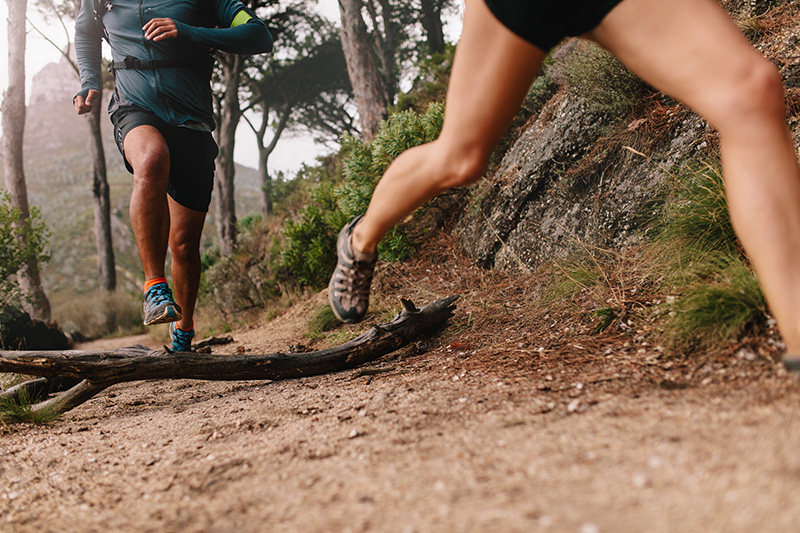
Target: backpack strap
point(99, 8)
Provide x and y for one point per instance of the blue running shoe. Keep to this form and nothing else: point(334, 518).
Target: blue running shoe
point(159, 305)
point(181, 339)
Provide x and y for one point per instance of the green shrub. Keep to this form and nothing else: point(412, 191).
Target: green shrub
point(430, 85)
point(249, 277)
point(309, 256)
point(19, 243)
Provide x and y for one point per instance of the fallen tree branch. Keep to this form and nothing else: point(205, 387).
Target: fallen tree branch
point(101, 369)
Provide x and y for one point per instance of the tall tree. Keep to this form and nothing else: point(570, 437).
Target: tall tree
point(13, 121)
point(369, 86)
point(228, 113)
point(431, 20)
point(106, 264)
point(304, 85)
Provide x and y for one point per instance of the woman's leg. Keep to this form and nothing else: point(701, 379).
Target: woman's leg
point(492, 72)
point(691, 50)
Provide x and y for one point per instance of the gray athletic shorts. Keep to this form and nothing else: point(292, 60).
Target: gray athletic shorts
point(544, 23)
point(191, 154)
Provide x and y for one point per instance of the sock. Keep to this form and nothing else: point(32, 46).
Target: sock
point(155, 281)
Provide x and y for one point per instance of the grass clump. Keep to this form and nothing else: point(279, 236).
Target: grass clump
point(322, 321)
point(711, 313)
point(22, 409)
point(701, 260)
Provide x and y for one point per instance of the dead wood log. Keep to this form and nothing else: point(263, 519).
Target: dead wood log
point(101, 369)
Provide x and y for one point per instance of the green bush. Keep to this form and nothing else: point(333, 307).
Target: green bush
point(310, 255)
point(19, 243)
point(249, 277)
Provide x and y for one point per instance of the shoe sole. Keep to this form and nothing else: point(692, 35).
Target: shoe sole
point(169, 315)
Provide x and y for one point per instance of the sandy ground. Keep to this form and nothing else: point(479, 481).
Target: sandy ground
point(496, 427)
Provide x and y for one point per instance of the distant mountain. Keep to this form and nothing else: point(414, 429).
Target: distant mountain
point(57, 171)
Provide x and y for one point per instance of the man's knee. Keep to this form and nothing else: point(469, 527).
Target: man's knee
point(183, 248)
point(150, 162)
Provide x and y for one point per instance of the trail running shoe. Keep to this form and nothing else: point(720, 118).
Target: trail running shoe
point(348, 291)
point(181, 339)
point(159, 305)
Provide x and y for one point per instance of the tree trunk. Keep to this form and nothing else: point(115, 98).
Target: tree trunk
point(265, 151)
point(362, 69)
point(99, 369)
point(13, 121)
point(229, 115)
point(106, 270)
point(266, 180)
point(432, 24)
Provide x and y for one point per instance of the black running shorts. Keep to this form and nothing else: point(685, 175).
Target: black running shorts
point(191, 154)
point(544, 23)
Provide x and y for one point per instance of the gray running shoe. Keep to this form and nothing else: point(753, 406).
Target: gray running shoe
point(159, 305)
point(348, 291)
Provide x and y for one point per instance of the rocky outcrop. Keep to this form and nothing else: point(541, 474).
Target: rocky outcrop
point(576, 178)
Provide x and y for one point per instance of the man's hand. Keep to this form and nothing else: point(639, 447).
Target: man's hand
point(85, 105)
point(159, 29)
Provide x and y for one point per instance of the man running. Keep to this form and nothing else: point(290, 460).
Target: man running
point(161, 109)
point(689, 49)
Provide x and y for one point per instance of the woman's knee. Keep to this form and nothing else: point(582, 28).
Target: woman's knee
point(756, 95)
point(463, 167)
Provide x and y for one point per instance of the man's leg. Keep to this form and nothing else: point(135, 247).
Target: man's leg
point(691, 50)
point(147, 152)
point(184, 242)
point(492, 72)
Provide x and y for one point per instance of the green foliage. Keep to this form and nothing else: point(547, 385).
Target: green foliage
point(702, 262)
point(310, 253)
point(603, 81)
point(430, 85)
point(19, 243)
point(248, 278)
point(311, 239)
point(21, 410)
point(712, 313)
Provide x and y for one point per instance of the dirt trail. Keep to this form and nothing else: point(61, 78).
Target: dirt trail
point(486, 428)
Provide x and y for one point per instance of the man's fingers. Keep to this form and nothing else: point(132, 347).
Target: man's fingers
point(160, 28)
